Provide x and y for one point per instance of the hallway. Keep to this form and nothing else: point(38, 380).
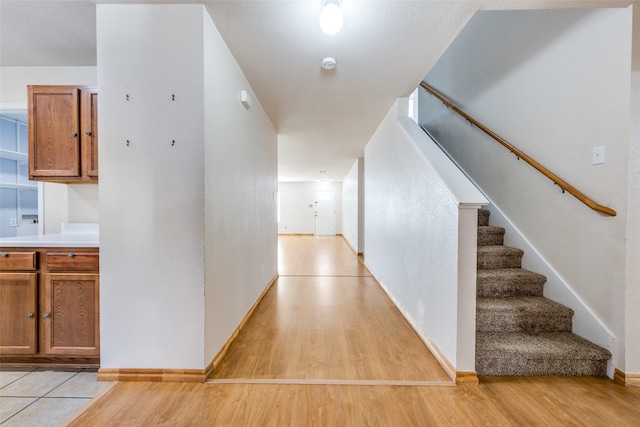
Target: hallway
point(326, 319)
point(326, 347)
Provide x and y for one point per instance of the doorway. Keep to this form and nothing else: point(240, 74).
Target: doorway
point(324, 210)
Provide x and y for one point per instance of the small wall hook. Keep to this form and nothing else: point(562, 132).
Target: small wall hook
point(128, 142)
point(173, 97)
point(127, 97)
point(173, 142)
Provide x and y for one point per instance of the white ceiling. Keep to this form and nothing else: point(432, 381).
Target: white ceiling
point(323, 118)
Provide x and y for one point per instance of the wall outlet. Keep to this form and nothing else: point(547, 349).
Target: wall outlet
point(13, 222)
point(598, 155)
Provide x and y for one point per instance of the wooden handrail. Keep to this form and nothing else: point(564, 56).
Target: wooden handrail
point(546, 172)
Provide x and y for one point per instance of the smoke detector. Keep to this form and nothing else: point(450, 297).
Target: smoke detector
point(329, 63)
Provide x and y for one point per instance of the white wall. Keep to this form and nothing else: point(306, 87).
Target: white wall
point(240, 195)
point(353, 206)
point(63, 203)
point(152, 193)
point(14, 80)
point(55, 207)
point(296, 205)
point(412, 219)
point(188, 235)
point(555, 84)
point(84, 203)
point(632, 297)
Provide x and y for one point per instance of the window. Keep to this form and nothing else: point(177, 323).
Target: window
point(413, 105)
point(18, 195)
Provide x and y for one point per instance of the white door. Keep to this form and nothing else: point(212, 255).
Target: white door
point(325, 214)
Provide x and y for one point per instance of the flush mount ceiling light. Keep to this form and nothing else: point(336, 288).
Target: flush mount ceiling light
point(331, 18)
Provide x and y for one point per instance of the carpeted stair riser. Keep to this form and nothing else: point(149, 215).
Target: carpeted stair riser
point(519, 332)
point(509, 282)
point(522, 314)
point(490, 236)
point(549, 353)
point(542, 367)
point(483, 217)
point(499, 257)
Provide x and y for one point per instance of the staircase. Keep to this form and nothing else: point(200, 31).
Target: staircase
point(520, 332)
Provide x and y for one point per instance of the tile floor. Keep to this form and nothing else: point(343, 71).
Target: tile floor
point(45, 397)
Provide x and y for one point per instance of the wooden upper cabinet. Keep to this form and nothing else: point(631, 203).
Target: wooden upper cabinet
point(54, 126)
point(90, 132)
point(63, 133)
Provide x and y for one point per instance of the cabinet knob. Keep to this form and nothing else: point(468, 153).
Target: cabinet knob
point(87, 132)
point(70, 255)
point(46, 316)
point(4, 254)
point(74, 134)
point(30, 315)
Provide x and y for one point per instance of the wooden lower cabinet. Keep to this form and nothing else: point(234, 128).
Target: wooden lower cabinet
point(50, 308)
point(71, 314)
point(18, 313)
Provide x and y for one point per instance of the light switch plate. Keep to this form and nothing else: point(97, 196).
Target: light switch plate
point(598, 155)
point(244, 99)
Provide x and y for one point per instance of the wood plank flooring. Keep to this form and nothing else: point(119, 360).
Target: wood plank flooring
point(329, 328)
point(326, 347)
point(326, 319)
point(317, 256)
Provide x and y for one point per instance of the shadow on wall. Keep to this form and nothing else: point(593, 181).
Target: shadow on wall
point(523, 32)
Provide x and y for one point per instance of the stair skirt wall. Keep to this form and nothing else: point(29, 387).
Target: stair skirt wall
point(585, 323)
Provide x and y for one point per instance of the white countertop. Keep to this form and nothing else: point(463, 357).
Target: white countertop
point(72, 235)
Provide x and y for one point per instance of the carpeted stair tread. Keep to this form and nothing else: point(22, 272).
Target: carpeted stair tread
point(483, 217)
point(505, 282)
point(525, 314)
point(539, 305)
point(499, 256)
point(547, 353)
point(489, 235)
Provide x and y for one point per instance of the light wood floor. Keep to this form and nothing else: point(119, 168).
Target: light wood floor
point(327, 348)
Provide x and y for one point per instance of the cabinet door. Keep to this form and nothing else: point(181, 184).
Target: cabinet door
point(90, 131)
point(70, 314)
point(18, 313)
point(54, 132)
